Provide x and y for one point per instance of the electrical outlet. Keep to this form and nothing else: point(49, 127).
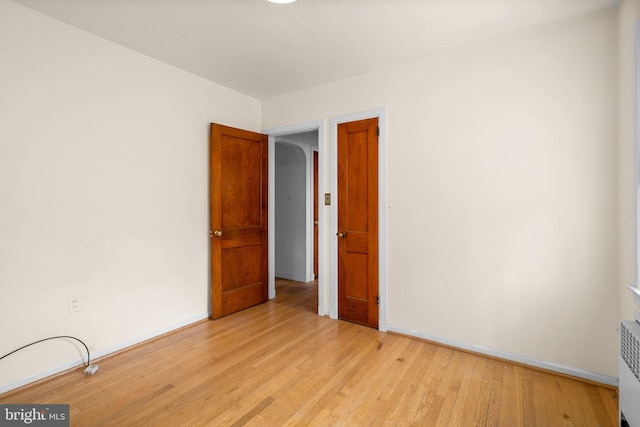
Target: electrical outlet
point(74, 304)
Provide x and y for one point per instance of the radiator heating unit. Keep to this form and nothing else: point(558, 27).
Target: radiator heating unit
point(629, 385)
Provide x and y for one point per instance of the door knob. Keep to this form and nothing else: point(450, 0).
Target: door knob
point(342, 234)
point(217, 233)
point(315, 222)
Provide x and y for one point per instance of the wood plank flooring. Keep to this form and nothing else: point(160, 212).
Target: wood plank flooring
point(297, 294)
point(276, 365)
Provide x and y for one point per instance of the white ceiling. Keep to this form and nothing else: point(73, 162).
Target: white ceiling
point(264, 50)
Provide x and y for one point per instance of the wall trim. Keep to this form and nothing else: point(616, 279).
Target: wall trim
point(101, 353)
point(554, 367)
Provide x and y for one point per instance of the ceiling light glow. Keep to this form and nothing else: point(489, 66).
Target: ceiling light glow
point(282, 1)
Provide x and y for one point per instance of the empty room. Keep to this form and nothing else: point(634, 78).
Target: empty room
point(454, 185)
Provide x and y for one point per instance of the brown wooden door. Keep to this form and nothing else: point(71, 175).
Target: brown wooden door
point(358, 222)
point(238, 217)
point(315, 214)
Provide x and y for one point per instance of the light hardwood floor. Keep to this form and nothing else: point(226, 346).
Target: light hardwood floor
point(274, 365)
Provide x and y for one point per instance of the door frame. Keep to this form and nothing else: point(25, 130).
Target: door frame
point(316, 125)
point(328, 283)
point(380, 113)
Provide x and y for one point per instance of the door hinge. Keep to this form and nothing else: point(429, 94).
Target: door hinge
point(378, 300)
point(377, 130)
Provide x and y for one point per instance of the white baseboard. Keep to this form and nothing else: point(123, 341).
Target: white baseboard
point(294, 277)
point(567, 370)
point(322, 311)
point(382, 326)
point(40, 375)
point(100, 353)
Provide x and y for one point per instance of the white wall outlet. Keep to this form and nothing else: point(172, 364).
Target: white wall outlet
point(74, 304)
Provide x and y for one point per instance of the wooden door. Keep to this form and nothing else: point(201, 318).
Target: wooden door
point(315, 214)
point(238, 216)
point(358, 222)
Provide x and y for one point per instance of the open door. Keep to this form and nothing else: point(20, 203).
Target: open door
point(358, 222)
point(238, 183)
point(315, 214)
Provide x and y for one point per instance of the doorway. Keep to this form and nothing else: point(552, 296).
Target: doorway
point(328, 214)
point(291, 206)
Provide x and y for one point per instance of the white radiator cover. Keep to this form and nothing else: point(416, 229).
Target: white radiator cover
point(629, 387)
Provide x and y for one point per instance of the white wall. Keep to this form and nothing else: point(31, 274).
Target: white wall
point(103, 191)
point(502, 190)
point(290, 212)
point(629, 14)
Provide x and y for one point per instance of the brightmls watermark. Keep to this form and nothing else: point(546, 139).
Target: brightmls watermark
point(34, 415)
